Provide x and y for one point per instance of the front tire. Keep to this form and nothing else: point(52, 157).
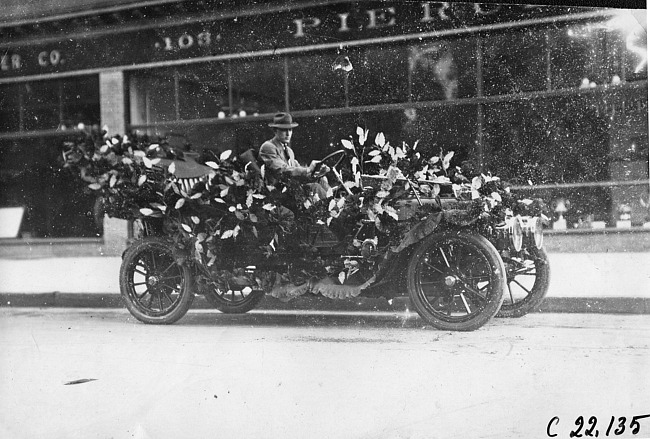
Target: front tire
point(154, 287)
point(456, 280)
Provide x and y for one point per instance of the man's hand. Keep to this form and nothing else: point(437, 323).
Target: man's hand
point(318, 169)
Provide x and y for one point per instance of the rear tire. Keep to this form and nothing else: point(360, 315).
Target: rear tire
point(456, 280)
point(233, 302)
point(528, 284)
point(154, 287)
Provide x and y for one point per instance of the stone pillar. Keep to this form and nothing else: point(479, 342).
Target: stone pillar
point(112, 105)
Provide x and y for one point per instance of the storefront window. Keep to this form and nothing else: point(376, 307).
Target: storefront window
point(313, 84)
point(553, 141)
point(379, 75)
point(449, 128)
point(80, 101)
point(258, 86)
point(31, 175)
point(10, 108)
point(442, 70)
point(514, 62)
point(56, 204)
point(239, 136)
point(153, 96)
point(41, 105)
point(585, 55)
point(48, 105)
point(635, 54)
point(203, 91)
point(559, 140)
point(319, 135)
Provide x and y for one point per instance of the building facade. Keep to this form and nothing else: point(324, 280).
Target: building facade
point(552, 99)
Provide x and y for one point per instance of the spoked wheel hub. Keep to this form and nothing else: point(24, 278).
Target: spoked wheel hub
point(152, 281)
point(450, 281)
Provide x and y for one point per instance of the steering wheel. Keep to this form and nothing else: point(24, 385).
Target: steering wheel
point(335, 158)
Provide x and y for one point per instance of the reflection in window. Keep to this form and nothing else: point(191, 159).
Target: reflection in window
point(258, 86)
point(80, 101)
point(203, 91)
point(48, 105)
point(10, 107)
point(442, 70)
point(56, 204)
point(41, 105)
point(313, 84)
point(450, 128)
point(153, 96)
point(636, 53)
point(585, 205)
point(561, 140)
point(584, 56)
point(238, 136)
point(379, 76)
point(514, 62)
point(553, 140)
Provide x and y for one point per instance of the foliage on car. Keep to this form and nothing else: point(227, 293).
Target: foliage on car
point(233, 205)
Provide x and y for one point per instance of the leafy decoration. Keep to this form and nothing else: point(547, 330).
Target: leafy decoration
point(233, 210)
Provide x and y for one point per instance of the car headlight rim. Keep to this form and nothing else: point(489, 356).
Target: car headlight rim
point(538, 233)
point(516, 233)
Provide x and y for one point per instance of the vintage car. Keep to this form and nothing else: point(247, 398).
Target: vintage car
point(393, 224)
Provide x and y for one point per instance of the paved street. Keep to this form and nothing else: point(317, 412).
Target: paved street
point(90, 373)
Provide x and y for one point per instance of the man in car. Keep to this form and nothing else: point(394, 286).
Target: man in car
point(279, 158)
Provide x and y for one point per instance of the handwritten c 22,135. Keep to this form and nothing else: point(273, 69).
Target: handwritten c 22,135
point(614, 426)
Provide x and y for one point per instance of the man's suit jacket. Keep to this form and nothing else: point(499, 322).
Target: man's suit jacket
point(281, 159)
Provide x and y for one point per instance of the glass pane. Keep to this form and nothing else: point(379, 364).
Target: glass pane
point(313, 84)
point(635, 43)
point(258, 86)
point(153, 96)
point(237, 135)
point(450, 128)
point(584, 207)
point(379, 75)
point(10, 108)
point(56, 202)
point(42, 104)
point(584, 56)
point(80, 101)
point(203, 91)
point(559, 140)
point(514, 62)
point(443, 70)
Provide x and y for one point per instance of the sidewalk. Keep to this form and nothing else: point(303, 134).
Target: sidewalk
point(580, 282)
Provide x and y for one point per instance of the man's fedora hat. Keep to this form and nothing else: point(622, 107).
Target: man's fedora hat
point(283, 121)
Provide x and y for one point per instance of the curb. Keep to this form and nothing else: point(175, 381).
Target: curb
point(582, 305)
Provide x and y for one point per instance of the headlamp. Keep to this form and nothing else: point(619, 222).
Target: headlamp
point(516, 233)
point(533, 230)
